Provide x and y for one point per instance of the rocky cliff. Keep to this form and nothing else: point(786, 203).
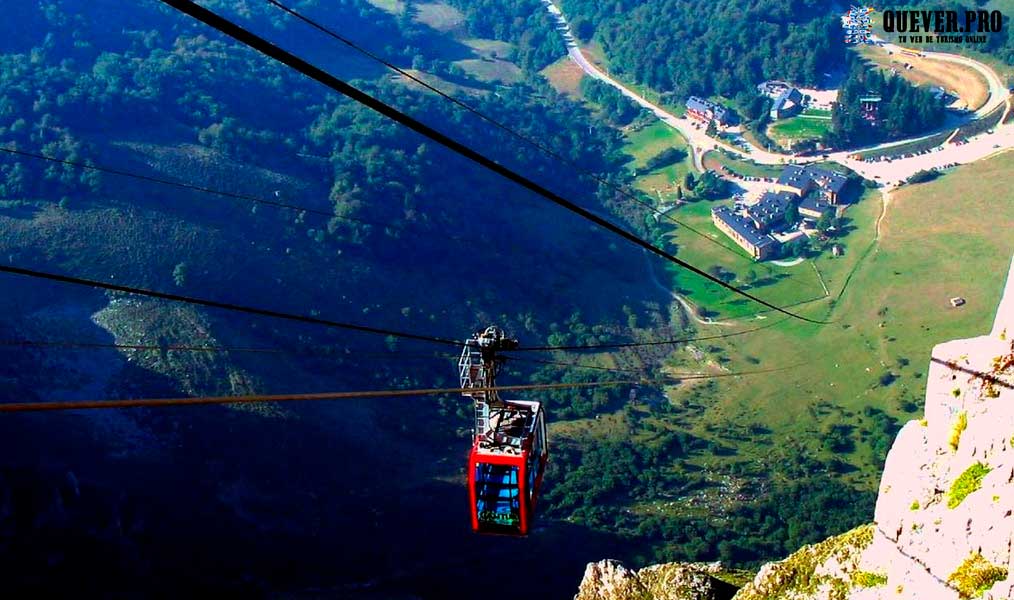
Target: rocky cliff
point(943, 526)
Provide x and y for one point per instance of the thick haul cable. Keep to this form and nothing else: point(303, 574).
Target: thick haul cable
point(327, 396)
point(272, 51)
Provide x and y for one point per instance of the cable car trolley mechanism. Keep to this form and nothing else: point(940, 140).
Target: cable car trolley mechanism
point(509, 452)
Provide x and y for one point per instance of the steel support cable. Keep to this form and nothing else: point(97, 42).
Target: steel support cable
point(323, 352)
point(272, 51)
point(318, 351)
point(213, 191)
point(618, 345)
point(559, 363)
point(16, 407)
point(513, 132)
point(187, 186)
point(226, 306)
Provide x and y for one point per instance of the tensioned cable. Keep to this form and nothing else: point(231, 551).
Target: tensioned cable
point(320, 351)
point(225, 305)
point(616, 345)
point(254, 399)
point(327, 323)
point(468, 107)
point(208, 190)
point(139, 347)
point(186, 186)
point(324, 351)
point(560, 363)
point(330, 351)
point(270, 50)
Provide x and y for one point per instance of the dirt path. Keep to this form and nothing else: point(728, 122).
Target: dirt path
point(687, 307)
point(885, 197)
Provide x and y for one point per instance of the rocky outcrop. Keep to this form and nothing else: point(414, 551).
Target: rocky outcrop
point(947, 493)
point(943, 526)
point(832, 569)
point(610, 580)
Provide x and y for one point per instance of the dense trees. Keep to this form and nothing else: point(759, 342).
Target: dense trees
point(616, 107)
point(665, 158)
point(903, 108)
point(524, 23)
point(723, 47)
point(596, 483)
point(710, 186)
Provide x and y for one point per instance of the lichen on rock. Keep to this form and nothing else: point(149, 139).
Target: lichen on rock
point(611, 580)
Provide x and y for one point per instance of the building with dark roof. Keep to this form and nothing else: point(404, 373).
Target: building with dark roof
point(742, 231)
point(793, 179)
point(787, 104)
point(814, 207)
point(769, 212)
point(773, 88)
point(830, 183)
point(706, 111)
point(801, 180)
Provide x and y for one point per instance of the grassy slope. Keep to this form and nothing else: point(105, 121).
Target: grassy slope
point(565, 76)
point(650, 141)
point(714, 159)
point(487, 63)
point(779, 285)
point(938, 239)
point(798, 128)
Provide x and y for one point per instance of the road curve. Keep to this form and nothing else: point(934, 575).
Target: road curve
point(997, 90)
point(890, 174)
point(698, 140)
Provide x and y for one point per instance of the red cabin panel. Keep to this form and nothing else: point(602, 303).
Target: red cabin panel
point(499, 493)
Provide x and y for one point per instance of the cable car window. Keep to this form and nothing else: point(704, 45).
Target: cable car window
point(497, 496)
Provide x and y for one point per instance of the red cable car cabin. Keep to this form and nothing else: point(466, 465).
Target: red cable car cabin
point(509, 452)
point(505, 469)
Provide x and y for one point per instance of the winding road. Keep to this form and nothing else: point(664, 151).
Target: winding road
point(698, 140)
point(890, 174)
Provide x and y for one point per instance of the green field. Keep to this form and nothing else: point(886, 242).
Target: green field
point(648, 142)
point(491, 70)
point(857, 373)
point(876, 350)
point(714, 159)
point(854, 375)
point(782, 286)
point(799, 128)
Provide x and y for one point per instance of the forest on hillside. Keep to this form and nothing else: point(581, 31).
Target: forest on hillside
point(412, 237)
point(724, 47)
point(904, 109)
point(523, 23)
